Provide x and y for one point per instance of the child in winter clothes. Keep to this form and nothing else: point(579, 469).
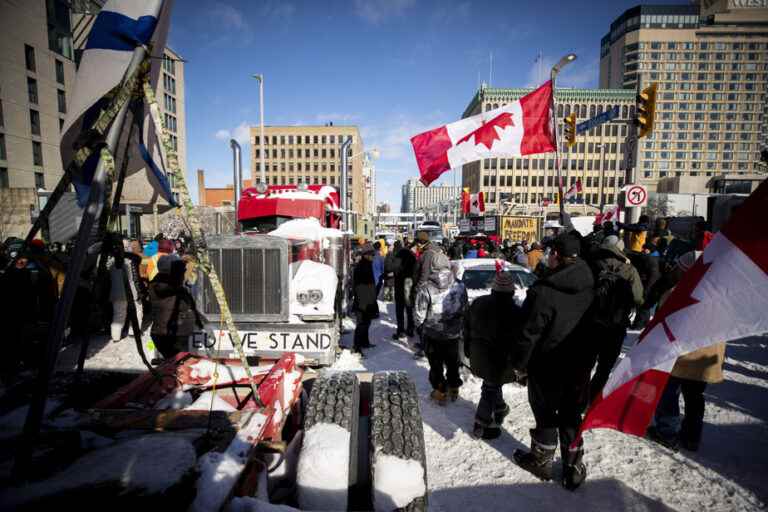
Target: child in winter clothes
point(439, 310)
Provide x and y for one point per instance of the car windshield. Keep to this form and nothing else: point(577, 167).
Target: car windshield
point(264, 224)
point(481, 279)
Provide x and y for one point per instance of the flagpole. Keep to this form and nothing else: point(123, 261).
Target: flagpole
point(64, 305)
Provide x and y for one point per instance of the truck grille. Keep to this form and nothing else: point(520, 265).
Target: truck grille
point(254, 275)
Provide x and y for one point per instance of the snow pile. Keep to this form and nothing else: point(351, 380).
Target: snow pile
point(179, 399)
point(348, 361)
point(210, 401)
point(323, 473)
point(134, 464)
point(396, 482)
point(247, 504)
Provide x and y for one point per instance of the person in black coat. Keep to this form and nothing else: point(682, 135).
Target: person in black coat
point(551, 344)
point(648, 266)
point(404, 266)
point(487, 345)
point(364, 303)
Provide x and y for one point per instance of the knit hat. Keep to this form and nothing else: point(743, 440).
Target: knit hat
point(367, 249)
point(567, 245)
point(165, 246)
point(687, 260)
point(612, 241)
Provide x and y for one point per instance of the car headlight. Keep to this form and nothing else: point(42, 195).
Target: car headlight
point(309, 297)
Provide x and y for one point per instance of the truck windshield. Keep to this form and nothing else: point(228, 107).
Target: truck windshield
point(264, 224)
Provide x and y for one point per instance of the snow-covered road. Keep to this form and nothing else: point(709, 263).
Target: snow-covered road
point(624, 472)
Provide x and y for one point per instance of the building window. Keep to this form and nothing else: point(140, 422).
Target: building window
point(32, 90)
point(39, 180)
point(4, 182)
point(37, 153)
point(3, 153)
point(2, 118)
point(62, 99)
point(59, 71)
point(34, 122)
point(169, 65)
point(29, 56)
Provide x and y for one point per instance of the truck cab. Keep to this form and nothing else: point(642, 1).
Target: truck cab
point(282, 275)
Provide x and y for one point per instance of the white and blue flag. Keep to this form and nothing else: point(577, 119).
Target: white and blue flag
point(119, 28)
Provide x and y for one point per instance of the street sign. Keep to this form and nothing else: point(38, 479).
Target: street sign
point(599, 119)
point(636, 196)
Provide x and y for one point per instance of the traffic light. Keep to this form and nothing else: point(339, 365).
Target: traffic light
point(646, 110)
point(570, 129)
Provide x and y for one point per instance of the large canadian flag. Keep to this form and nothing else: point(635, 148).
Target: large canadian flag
point(476, 203)
point(516, 129)
point(724, 296)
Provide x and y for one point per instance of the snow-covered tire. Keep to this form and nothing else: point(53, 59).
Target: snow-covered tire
point(397, 432)
point(335, 400)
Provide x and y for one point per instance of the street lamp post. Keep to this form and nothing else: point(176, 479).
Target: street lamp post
point(567, 59)
point(262, 165)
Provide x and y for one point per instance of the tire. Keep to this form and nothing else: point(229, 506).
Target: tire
point(396, 427)
point(335, 398)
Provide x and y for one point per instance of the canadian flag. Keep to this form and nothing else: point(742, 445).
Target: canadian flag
point(575, 189)
point(477, 203)
point(516, 129)
point(724, 296)
point(611, 214)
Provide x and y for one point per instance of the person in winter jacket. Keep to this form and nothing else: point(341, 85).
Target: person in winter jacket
point(535, 255)
point(403, 267)
point(174, 313)
point(551, 344)
point(378, 267)
point(690, 376)
point(427, 252)
point(649, 268)
point(439, 309)
point(618, 289)
point(487, 345)
point(637, 233)
point(364, 302)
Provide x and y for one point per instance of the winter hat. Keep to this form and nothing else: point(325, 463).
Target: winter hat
point(367, 249)
point(165, 246)
point(503, 281)
point(687, 260)
point(612, 241)
point(567, 245)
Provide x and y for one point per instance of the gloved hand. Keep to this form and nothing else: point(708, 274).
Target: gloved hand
point(521, 377)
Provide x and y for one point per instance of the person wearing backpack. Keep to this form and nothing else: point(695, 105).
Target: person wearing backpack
point(439, 309)
point(403, 268)
point(618, 289)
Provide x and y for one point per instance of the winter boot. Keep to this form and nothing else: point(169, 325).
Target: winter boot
point(453, 394)
point(654, 435)
point(538, 461)
point(492, 431)
point(574, 470)
point(439, 396)
point(500, 413)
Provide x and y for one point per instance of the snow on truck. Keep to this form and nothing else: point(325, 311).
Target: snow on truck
point(282, 276)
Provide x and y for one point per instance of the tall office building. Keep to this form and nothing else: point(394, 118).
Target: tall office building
point(416, 196)
point(596, 159)
point(710, 61)
point(311, 155)
point(40, 44)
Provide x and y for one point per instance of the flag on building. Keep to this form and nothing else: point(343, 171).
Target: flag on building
point(724, 296)
point(522, 127)
point(465, 200)
point(571, 193)
point(476, 203)
point(120, 27)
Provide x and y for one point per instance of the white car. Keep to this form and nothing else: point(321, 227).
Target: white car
point(477, 275)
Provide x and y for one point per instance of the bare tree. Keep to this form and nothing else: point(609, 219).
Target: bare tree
point(657, 207)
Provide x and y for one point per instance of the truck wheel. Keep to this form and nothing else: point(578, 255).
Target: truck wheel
point(398, 459)
point(324, 480)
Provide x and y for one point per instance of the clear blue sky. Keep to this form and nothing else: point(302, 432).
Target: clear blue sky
point(393, 67)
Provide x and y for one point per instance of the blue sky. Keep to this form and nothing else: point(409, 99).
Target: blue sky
point(393, 67)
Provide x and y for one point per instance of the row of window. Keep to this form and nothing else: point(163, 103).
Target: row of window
point(170, 103)
point(675, 79)
point(5, 181)
point(712, 116)
point(309, 180)
point(537, 198)
point(169, 83)
point(695, 166)
point(538, 181)
point(727, 146)
point(170, 123)
point(703, 45)
point(289, 153)
point(316, 167)
point(702, 56)
point(690, 66)
point(169, 65)
point(32, 95)
point(305, 139)
point(697, 155)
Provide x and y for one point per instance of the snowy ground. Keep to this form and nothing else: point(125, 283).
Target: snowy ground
point(624, 472)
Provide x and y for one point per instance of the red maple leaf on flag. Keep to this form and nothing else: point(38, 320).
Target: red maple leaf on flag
point(680, 298)
point(487, 133)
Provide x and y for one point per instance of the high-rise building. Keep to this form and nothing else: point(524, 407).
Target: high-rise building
point(596, 159)
point(311, 155)
point(416, 196)
point(40, 44)
point(710, 61)
point(383, 208)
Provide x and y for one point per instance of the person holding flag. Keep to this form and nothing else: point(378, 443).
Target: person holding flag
point(550, 346)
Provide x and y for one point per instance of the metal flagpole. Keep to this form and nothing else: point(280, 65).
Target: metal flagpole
point(96, 199)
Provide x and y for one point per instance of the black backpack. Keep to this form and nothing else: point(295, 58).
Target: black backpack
point(613, 299)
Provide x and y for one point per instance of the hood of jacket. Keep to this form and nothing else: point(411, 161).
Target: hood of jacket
point(442, 279)
point(571, 279)
point(611, 252)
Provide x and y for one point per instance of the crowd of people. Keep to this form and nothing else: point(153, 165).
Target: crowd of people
point(561, 343)
point(156, 280)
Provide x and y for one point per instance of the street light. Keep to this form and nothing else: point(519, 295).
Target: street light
point(564, 61)
point(262, 165)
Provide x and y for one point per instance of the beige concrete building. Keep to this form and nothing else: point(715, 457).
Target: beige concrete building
point(416, 197)
point(522, 183)
point(40, 43)
point(311, 155)
point(710, 61)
